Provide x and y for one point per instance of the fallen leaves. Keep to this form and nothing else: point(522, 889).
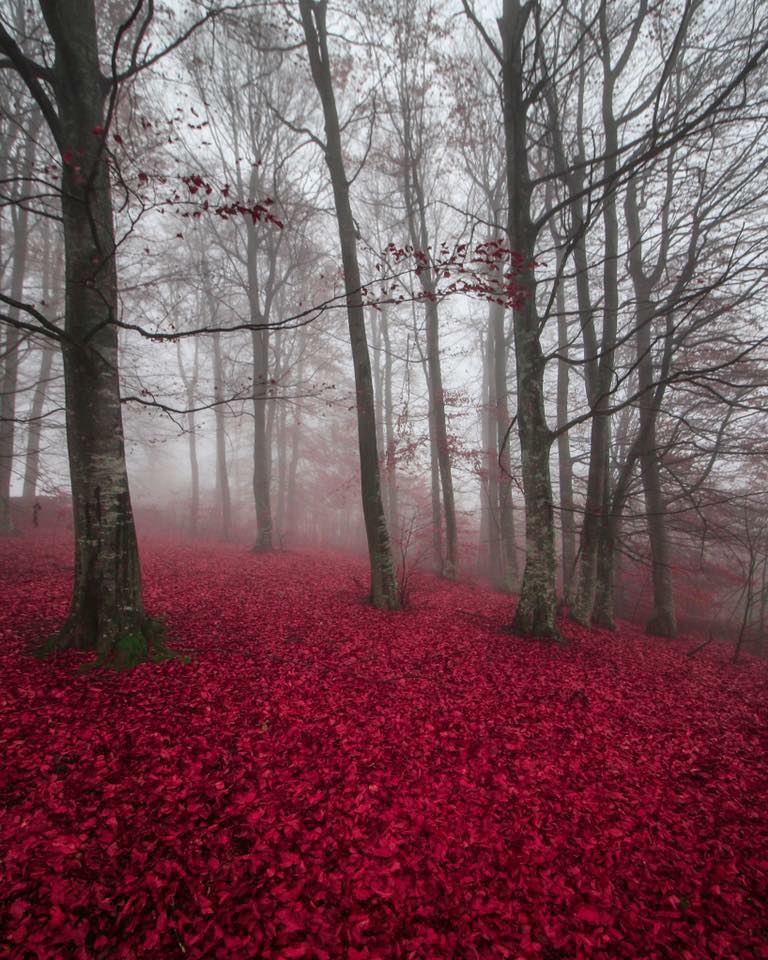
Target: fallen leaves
point(325, 780)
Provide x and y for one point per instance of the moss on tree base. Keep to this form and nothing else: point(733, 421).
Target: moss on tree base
point(144, 642)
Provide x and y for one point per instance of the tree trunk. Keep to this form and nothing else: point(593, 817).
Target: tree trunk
point(383, 584)
point(107, 609)
point(390, 476)
point(10, 359)
point(484, 543)
point(503, 458)
point(261, 445)
point(223, 495)
point(190, 386)
point(536, 608)
point(53, 296)
point(565, 461)
point(491, 447)
point(662, 621)
point(597, 492)
point(413, 196)
point(32, 459)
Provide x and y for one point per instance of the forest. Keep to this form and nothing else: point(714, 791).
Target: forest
point(383, 489)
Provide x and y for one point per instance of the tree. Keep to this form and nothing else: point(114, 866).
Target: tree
point(383, 584)
point(77, 102)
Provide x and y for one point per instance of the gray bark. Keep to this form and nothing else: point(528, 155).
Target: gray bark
point(10, 366)
point(107, 608)
point(383, 583)
point(536, 609)
point(223, 495)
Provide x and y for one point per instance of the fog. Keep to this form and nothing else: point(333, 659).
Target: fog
point(643, 172)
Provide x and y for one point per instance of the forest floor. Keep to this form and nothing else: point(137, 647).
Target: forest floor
point(324, 780)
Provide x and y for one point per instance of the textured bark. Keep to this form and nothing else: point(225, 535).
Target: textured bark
point(383, 583)
point(536, 609)
point(107, 610)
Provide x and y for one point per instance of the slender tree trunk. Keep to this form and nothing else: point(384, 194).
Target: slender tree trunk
point(438, 557)
point(383, 583)
point(536, 608)
point(662, 621)
point(491, 446)
point(483, 547)
point(261, 445)
point(597, 492)
point(32, 459)
point(223, 495)
point(10, 367)
point(390, 477)
point(53, 294)
point(190, 387)
point(261, 451)
point(565, 461)
point(378, 385)
point(281, 437)
point(442, 448)
point(503, 464)
point(413, 196)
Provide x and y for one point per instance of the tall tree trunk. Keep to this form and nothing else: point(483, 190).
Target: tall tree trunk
point(261, 445)
point(483, 547)
point(291, 492)
point(662, 621)
point(565, 461)
point(107, 608)
point(491, 446)
point(10, 366)
point(598, 493)
point(34, 436)
point(503, 464)
point(413, 196)
point(53, 295)
point(390, 476)
point(190, 386)
point(438, 556)
point(383, 584)
point(223, 495)
point(442, 448)
point(536, 608)
point(281, 446)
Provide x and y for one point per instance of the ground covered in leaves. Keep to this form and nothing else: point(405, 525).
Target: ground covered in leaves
point(328, 781)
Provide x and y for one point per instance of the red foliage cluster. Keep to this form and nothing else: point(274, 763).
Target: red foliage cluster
point(329, 781)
